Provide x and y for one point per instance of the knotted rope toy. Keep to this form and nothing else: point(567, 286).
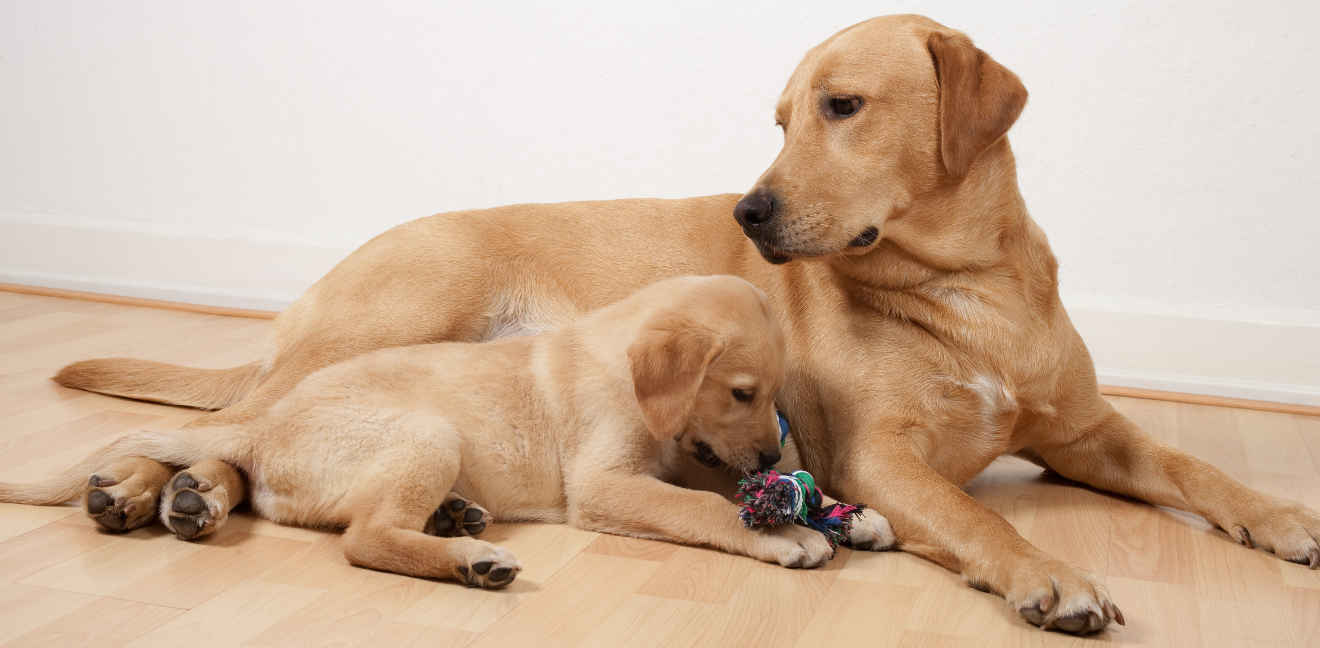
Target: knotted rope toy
point(771, 499)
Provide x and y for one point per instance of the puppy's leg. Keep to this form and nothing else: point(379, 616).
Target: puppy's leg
point(1113, 454)
point(643, 506)
point(937, 520)
point(198, 499)
point(380, 544)
point(386, 534)
point(123, 495)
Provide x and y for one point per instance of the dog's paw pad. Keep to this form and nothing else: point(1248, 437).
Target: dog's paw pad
point(492, 570)
point(1035, 613)
point(188, 515)
point(116, 508)
point(458, 516)
point(183, 480)
point(1082, 622)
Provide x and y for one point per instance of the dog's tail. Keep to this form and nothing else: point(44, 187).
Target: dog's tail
point(180, 448)
point(162, 383)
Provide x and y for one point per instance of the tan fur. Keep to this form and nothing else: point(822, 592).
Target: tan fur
point(159, 382)
point(914, 359)
point(583, 424)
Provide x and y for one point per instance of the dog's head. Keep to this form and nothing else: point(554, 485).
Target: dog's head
point(877, 115)
point(706, 366)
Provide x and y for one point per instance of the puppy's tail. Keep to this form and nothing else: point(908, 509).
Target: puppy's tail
point(180, 448)
point(162, 383)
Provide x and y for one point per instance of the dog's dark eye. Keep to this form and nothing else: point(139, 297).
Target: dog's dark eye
point(744, 395)
point(840, 107)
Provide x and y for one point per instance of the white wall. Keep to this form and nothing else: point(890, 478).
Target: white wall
point(230, 152)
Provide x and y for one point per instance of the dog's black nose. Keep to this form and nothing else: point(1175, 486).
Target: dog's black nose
point(768, 459)
point(755, 209)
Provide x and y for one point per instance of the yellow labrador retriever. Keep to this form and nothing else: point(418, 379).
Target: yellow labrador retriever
point(582, 425)
point(923, 322)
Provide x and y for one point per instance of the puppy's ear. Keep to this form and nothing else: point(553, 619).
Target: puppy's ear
point(979, 99)
point(669, 361)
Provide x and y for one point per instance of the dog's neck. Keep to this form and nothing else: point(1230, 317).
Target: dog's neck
point(952, 240)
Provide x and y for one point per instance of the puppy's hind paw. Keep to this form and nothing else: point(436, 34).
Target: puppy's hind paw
point(192, 508)
point(456, 517)
point(123, 496)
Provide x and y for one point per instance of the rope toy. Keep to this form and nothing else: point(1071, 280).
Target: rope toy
point(771, 499)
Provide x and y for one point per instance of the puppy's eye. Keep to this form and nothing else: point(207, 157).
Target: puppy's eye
point(841, 107)
point(744, 395)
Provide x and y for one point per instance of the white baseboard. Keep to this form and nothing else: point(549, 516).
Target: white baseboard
point(1261, 360)
point(233, 272)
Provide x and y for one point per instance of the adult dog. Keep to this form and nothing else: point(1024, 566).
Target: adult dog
point(924, 327)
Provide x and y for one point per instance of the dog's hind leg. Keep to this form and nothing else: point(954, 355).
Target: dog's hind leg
point(393, 511)
point(123, 495)
point(198, 499)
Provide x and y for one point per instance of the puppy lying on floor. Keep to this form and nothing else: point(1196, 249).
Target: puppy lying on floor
point(582, 424)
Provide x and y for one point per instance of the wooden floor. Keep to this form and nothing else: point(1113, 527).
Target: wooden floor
point(65, 583)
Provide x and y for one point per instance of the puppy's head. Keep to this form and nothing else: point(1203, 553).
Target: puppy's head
point(706, 366)
point(877, 115)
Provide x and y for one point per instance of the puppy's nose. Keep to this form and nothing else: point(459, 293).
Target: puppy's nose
point(768, 459)
point(755, 209)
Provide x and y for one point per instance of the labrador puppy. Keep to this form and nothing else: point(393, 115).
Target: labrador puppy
point(919, 299)
point(583, 424)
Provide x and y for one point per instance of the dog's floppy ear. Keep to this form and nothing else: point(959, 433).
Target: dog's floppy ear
point(979, 99)
point(669, 361)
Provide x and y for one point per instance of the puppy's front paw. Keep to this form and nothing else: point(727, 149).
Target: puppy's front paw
point(871, 532)
point(1289, 531)
point(489, 567)
point(1056, 596)
point(795, 547)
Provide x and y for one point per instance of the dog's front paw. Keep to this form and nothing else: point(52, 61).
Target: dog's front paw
point(489, 567)
point(795, 547)
point(1288, 530)
point(1056, 596)
point(871, 532)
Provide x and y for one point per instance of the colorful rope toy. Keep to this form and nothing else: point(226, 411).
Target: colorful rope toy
point(770, 499)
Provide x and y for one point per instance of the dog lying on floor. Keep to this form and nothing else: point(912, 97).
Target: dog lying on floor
point(581, 424)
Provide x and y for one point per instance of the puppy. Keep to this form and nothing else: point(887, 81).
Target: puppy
point(583, 424)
